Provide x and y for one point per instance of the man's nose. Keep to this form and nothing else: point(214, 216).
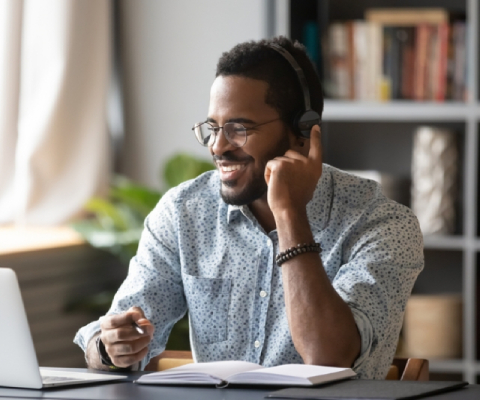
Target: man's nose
point(221, 144)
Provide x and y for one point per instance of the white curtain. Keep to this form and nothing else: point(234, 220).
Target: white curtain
point(54, 72)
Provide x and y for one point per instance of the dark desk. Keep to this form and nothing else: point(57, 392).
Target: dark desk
point(127, 390)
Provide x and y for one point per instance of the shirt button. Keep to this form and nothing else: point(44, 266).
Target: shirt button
point(263, 293)
point(257, 344)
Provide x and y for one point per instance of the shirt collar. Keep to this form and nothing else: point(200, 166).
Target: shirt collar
point(234, 211)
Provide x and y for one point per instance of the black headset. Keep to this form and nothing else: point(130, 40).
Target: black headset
point(307, 118)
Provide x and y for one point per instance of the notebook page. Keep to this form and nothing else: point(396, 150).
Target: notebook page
point(301, 370)
point(216, 370)
point(298, 374)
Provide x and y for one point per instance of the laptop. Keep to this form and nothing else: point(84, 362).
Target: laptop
point(18, 361)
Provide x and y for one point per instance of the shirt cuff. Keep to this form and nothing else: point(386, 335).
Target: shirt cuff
point(85, 334)
point(366, 334)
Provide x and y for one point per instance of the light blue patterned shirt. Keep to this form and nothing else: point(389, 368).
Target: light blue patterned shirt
point(215, 260)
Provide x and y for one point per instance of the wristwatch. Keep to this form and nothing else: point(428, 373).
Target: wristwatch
point(105, 358)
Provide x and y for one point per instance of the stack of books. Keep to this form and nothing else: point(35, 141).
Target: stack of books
point(410, 54)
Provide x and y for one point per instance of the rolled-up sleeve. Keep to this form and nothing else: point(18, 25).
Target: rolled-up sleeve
point(384, 255)
point(154, 281)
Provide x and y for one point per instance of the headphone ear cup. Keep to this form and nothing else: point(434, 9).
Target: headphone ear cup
point(305, 121)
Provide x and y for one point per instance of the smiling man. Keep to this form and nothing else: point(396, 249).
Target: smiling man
point(277, 257)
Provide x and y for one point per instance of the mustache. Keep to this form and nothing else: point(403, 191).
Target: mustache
point(228, 156)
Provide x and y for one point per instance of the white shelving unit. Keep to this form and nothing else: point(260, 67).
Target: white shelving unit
point(379, 117)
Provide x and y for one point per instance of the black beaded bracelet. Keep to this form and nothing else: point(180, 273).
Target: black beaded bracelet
point(295, 251)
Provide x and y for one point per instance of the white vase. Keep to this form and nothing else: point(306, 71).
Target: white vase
point(434, 179)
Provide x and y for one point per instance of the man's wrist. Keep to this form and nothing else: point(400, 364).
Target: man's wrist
point(289, 215)
point(293, 227)
point(106, 360)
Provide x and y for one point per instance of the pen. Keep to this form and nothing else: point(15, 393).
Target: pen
point(137, 328)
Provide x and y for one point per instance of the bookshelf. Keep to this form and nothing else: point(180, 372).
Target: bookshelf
point(375, 135)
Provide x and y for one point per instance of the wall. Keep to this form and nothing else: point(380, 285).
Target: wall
point(169, 51)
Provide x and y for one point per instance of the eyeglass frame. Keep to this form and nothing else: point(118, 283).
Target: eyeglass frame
point(216, 129)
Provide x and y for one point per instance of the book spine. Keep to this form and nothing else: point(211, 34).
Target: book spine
point(408, 61)
point(374, 61)
point(360, 51)
point(351, 60)
point(420, 68)
point(339, 80)
point(396, 62)
point(442, 49)
point(406, 16)
point(388, 38)
point(432, 63)
point(459, 69)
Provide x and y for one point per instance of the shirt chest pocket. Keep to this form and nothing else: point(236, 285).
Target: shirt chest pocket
point(208, 302)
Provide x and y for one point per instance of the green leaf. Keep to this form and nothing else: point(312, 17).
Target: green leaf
point(109, 216)
point(182, 167)
point(140, 198)
point(98, 237)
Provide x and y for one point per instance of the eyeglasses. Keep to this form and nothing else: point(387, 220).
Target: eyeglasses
point(235, 132)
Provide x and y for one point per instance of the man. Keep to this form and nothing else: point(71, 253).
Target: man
point(210, 245)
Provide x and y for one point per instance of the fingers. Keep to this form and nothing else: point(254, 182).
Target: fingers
point(134, 314)
point(118, 320)
point(126, 360)
point(123, 343)
point(120, 327)
point(127, 348)
point(315, 151)
point(291, 156)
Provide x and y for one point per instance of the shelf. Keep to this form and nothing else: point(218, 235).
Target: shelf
point(405, 111)
point(446, 366)
point(361, 135)
point(444, 242)
point(452, 366)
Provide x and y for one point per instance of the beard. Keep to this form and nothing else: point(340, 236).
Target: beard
point(257, 187)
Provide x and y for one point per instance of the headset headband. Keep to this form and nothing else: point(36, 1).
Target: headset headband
point(298, 70)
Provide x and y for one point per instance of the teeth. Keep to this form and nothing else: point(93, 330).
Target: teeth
point(231, 168)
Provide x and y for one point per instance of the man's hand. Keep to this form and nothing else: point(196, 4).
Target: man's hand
point(292, 178)
point(123, 343)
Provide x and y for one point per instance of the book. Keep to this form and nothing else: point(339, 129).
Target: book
point(408, 62)
point(339, 83)
point(351, 57)
point(360, 59)
point(222, 373)
point(420, 78)
point(374, 59)
point(440, 63)
point(371, 389)
point(406, 16)
point(391, 60)
point(459, 68)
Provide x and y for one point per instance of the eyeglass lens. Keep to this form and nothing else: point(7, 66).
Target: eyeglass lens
point(235, 133)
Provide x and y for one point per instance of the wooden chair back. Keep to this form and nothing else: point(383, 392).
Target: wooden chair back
point(408, 369)
point(169, 359)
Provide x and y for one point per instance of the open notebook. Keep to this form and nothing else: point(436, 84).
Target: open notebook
point(18, 361)
point(222, 373)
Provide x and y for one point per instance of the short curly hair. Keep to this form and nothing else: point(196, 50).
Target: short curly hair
point(257, 60)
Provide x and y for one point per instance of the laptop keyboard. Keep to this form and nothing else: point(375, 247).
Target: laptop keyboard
point(56, 379)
